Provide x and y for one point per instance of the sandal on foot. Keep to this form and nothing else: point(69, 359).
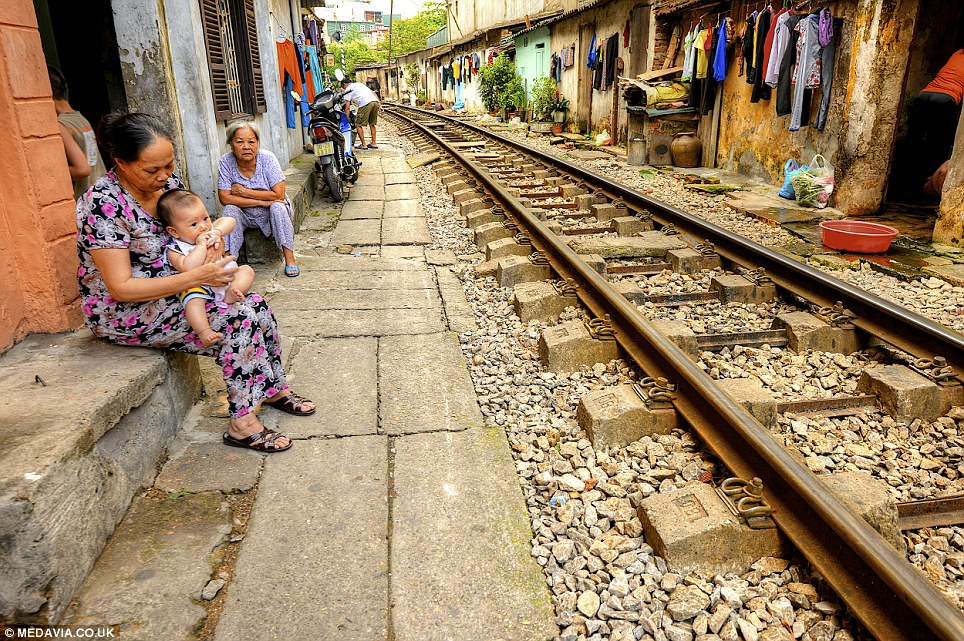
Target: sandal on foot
point(263, 441)
point(292, 270)
point(373, 146)
point(291, 404)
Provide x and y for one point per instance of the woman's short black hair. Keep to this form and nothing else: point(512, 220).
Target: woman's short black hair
point(126, 135)
point(171, 201)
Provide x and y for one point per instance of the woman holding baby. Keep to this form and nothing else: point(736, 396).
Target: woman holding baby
point(131, 294)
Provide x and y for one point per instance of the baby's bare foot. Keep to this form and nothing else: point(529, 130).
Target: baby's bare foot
point(210, 337)
point(233, 295)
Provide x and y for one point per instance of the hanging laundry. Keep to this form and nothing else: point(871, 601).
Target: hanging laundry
point(593, 53)
point(688, 56)
point(598, 68)
point(760, 90)
point(708, 94)
point(315, 65)
point(768, 44)
point(827, 57)
point(807, 72)
point(626, 35)
point(719, 58)
point(784, 81)
point(747, 49)
point(291, 76)
point(702, 37)
point(781, 34)
point(612, 51)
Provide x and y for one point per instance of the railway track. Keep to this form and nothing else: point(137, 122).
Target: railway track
point(890, 597)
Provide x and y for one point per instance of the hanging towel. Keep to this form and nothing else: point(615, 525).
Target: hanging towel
point(626, 35)
point(719, 59)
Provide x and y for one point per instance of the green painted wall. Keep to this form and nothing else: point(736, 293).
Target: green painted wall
point(532, 56)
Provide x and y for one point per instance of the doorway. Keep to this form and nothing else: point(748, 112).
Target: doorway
point(937, 36)
point(79, 39)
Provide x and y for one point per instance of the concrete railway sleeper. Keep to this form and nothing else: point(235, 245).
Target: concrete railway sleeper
point(523, 212)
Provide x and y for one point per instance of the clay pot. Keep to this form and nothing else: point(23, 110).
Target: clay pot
point(686, 149)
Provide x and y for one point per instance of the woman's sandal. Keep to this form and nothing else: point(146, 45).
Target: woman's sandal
point(291, 404)
point(292, 270)
point(263, 441)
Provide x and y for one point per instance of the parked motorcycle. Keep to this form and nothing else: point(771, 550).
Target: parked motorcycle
point(331, 140)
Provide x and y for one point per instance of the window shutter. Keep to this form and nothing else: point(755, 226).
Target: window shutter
point(259, 104)
point(211, 19)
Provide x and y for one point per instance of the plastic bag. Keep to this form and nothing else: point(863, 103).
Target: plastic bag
point(603, 139)
point(814, 186)
point(790, 169)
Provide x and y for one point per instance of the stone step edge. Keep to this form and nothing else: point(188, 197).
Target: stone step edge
point(56, 518)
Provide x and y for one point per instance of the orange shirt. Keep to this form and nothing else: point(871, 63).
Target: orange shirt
point(950, 79)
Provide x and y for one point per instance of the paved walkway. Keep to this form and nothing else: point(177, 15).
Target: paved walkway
point(396, 515)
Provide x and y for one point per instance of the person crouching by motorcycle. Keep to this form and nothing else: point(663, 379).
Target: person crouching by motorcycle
point(368, 110)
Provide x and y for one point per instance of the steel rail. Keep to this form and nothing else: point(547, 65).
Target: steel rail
point(890, 597)
point(891, 323)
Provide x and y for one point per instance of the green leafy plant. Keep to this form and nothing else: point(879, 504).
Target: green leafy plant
point(494, 82)
point(515, 97)
point(559, 103)
point(411, 75)
point(543, 96)
point(421, 96)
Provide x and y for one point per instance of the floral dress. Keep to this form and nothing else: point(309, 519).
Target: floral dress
point(108, 217)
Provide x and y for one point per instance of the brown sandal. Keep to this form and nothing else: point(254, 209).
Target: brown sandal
point(291, 404)
point(263, 441)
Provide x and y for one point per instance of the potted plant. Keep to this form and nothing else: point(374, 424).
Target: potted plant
point(495, 81)
point(543, 94)
point(558, 107)
point(420, 97)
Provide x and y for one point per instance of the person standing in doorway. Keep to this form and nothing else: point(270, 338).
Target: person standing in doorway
point(368, 110)
point(936, 113)
point(74, 125)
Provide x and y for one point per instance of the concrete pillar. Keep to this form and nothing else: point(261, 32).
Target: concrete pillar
point(693, 529)
point(485, 234)
point(506, 247)
point(754, 398)
point(949, 229)
point(539, 301)
point(514, 270)
point(882, 35)
point(630, 225)
point(569, 346)
point(807, 332)
point(481, 217)
point(472, 205)
point(902, 392)
point(872, 500)
point(616, 416)
point(737, 289)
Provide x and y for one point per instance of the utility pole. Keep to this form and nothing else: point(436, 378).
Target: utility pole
point(391, 28)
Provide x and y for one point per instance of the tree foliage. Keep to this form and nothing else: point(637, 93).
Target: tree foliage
point(499, 86)
point(409, 35)
point(357, 51)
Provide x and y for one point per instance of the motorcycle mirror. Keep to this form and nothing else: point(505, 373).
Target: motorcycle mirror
point(296, 96)
point(339, 75)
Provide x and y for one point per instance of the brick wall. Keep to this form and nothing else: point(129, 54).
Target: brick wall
point(38, 256)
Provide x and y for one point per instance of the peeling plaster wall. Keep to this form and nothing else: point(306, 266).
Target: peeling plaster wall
point(172, 62)
point(608, 19)
point(146, 64)
point(864, 108)
point(949, 228)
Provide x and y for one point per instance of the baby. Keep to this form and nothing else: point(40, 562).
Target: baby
point(183, 214)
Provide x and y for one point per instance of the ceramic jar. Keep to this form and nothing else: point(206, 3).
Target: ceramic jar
point(686, 149)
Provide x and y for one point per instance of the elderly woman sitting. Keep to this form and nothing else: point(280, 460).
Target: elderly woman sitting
point(129, 290)
point(251, 186)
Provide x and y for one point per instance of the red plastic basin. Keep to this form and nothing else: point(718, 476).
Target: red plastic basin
point(857, 236)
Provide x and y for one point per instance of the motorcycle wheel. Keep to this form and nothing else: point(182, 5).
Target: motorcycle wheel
point(333, 180)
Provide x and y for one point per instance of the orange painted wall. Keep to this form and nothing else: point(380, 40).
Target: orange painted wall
point(38, 257)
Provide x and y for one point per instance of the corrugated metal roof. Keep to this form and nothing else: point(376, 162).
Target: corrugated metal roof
point(664, 7)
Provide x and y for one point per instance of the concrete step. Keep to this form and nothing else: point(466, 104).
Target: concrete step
point(76, 448)
point(300, 188)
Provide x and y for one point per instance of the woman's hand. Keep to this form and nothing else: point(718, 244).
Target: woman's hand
point(239, 190)
point(216, 274)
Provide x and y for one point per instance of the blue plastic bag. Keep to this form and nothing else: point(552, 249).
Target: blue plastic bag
point(790, 169)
